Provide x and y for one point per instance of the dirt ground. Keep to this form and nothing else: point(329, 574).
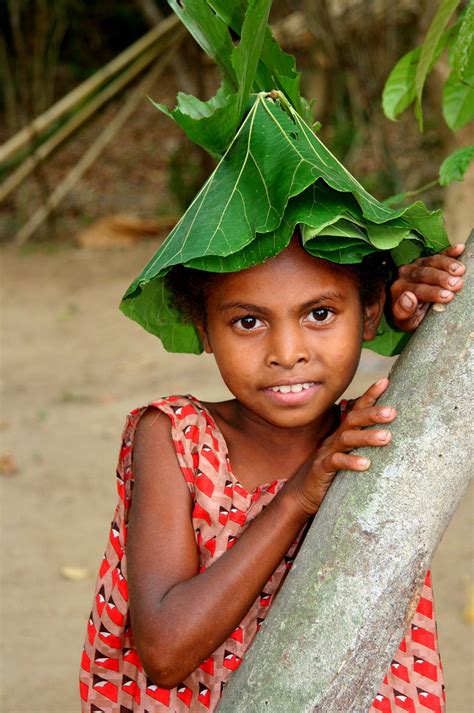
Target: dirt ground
point(72, 366)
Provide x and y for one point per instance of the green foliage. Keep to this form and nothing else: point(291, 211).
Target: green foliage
point(406, 81)
point(400, 88)
point(256, 64)
point(275, 174)
point(462, 54)
point(276, 68)
point(458, 102)
point(428, 50)
point(455, 166)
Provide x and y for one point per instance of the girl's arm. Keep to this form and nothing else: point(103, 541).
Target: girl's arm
point(179, 618)
point(429, 279)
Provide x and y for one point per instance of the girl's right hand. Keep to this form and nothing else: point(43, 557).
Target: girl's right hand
point(311, 483)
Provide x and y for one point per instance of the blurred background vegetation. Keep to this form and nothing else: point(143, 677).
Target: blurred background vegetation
point(344, 48)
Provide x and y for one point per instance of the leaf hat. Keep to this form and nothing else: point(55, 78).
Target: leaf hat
point(273, 175)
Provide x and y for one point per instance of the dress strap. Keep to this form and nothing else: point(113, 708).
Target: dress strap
point(188, 421)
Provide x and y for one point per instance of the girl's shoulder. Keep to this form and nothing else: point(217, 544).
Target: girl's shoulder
point(190, 424)
point(182, 410)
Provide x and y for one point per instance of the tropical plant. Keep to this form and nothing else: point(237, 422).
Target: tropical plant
point(406, 81)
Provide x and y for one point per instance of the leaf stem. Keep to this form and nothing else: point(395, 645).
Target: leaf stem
point(401, 196)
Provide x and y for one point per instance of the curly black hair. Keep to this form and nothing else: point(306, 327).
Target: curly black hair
point(189, 287)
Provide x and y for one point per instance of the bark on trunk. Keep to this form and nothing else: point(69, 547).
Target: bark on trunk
point(353, 588)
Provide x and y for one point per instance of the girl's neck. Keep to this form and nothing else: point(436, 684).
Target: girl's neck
point(260, 452)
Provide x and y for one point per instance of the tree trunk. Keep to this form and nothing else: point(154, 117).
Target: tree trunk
point(354, 586)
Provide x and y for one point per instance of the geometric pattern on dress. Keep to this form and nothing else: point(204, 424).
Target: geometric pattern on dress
point(112, 678)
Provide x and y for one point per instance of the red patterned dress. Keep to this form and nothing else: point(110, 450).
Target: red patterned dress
point(112, 678)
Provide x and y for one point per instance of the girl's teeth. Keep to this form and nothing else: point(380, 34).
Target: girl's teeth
point(293, 388)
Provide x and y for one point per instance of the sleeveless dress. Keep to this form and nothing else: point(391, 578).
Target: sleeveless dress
point(112, 678)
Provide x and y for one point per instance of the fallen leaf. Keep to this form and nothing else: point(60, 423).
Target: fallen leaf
point(468, 612)
point(438, 307)
point(8, 464)
point(74, 574)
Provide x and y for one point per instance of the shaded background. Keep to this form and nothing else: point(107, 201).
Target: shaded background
point(72, 366)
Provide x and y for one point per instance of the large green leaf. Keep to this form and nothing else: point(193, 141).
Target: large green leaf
point(209, 31)
point(400, 89)
point(277, 69)
point(463, 50)
point(246, 56)
point(428, 50)
point(455, 165)
point(406, 252)
point(212, 124)
point(458, 102)
point(276, 174)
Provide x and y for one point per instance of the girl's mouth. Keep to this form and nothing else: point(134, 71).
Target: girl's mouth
point(293, 393)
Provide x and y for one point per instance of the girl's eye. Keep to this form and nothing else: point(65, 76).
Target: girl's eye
point(321, 314)
point(248, 323)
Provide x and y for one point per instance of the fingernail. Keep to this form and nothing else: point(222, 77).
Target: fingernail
point(383, 436)
point(363, 461)
point(407, 302)
point(380, 381)
point(386, 412)
point(453, 281)
point(455, 267)
point(444, 294)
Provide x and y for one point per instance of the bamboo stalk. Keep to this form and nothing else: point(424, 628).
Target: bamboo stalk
point(38, 218)
point(43, 151)
point(42, 122)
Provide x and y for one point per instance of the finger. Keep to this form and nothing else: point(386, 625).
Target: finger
point(427, 275)
point(455, 250)
point(405, 306)
point(358, 439)
point(410, 323)
point(347, 461)
point(369, 397)
point(431, 293)
point(443, 262)
point(369, 417)
point(409, 319)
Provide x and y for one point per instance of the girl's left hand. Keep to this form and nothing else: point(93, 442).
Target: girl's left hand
point(426, 280)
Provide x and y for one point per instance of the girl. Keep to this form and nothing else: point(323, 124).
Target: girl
point(215, 498)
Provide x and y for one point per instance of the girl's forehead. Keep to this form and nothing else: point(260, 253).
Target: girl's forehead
point(292, 270)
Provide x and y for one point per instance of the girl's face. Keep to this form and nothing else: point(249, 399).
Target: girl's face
point(287, 335)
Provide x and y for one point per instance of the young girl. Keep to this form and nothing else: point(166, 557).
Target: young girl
point(215, 498)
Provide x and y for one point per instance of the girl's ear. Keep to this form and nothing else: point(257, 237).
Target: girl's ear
point(201, 330)
point(372, 316)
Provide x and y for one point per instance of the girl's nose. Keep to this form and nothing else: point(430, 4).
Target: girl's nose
point(287, 348)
